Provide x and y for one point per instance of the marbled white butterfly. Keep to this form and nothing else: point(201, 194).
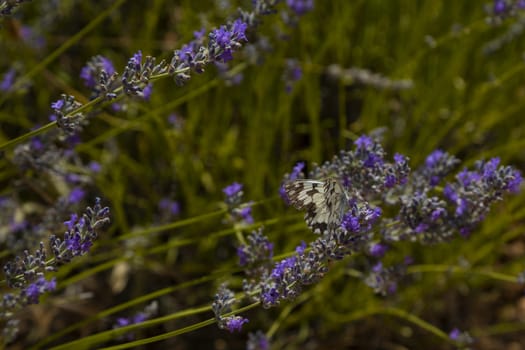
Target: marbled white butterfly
point(325, 202)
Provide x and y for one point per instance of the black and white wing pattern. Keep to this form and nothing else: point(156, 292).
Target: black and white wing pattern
point(325, 202)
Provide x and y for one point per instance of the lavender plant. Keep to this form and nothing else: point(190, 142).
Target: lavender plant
point(422, 211)
point(26, 274)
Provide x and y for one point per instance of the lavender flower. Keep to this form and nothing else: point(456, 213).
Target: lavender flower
point(292, 73)
point(76, 195)
point(136, 76)
point(237, 211)
point(81, 233)
point(234, 323)
point(26, 273)
point(33, 291)
point(233, 192)
point(8, 80)
point(286, 280)
point(169, 206)
point(384, 280)
point(459, 337)
point(61, 110)
point(300, 7)
point(224, 300)
point(257, 341)
point(94, 68)
point(149, 311)
point(378, 250)
point(438, 165)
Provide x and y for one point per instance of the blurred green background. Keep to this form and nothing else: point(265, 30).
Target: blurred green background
point(466, 96)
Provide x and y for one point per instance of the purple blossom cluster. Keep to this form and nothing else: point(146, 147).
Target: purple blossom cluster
point(26, 273)
point(82, 232)
point(64, 112)
point(425, 212)
point(502, 9)
point(238, 212)
point(365, 172)
point(257, 252)
point(222, 304)
point(384, 280)
point(433, 210)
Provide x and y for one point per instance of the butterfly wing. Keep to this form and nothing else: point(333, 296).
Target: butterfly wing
point(324, 202)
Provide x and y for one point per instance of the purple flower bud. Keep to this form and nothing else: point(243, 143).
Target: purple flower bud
point(378, 250)
point(232, 189)
point(234, 323)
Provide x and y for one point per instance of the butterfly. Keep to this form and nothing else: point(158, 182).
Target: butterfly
point(325, 202)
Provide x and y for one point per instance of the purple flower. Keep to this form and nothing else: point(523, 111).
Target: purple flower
point(36, 144)
point(297, 170)
point(199, 34)
point(450, 193)
point(378, 250)
point(400, 159)
point(500, 7)
point(37, 288)
point(8, 80)
point(468, 177)
point(454, 334)
point(169, 206)
point(390, 181)
point(257, 341)
point(58, 104)
point(223, 40)
point(234, 323)
point(292, 73)
point(136, 59)
point(350, 223)
point(257, 251)
point(149, 311)
point(434, 158)
point(71, 222)
point(301, 248)
point(514, 183)
point(147, 91)
point(91, 72)
point(270, 296)
point(422, 227)
point(300, 7)
point(242, 253)
point(122, 322)
point(232, 189)
point(94, 167)
point(363, 142)
point(239, 30)
point(437, 213)
point(81, 233)
point(246, 214)
point(76, 195)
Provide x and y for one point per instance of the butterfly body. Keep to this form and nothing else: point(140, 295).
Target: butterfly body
point(325, 202)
